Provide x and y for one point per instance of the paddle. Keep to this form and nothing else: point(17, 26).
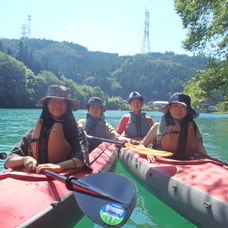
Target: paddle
point(3, 155)
point(138, 149)
point(107, 199)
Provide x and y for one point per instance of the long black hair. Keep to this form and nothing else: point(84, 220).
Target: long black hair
point(180, 152)
point(170, 120)
point(70, 126)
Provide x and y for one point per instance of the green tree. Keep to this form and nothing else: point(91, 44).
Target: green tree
point(1, 46)
point(115, 103)
point(210, 86)
point(13, 82)
point(207, 24)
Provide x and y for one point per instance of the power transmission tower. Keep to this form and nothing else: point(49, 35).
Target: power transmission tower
point(146, 38)
point(29, 26)
point(23, 31)
point(26, 29)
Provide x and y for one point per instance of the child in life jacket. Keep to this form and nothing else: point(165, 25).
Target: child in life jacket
point(95, 124)
point(136, 124)
point(176, 132)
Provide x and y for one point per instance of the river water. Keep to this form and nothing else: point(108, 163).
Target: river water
point(149, 211)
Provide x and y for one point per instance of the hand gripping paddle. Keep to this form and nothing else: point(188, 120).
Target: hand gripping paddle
point(138, 149)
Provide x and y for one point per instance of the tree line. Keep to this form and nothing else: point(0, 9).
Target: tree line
point(30, 65)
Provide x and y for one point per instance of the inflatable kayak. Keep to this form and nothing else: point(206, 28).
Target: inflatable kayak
point(196, 189)
point(36, 200)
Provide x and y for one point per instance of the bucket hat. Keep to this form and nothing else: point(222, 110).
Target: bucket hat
point(133, 96)
point(180, 98)
point(59, 91)
point(96, 101)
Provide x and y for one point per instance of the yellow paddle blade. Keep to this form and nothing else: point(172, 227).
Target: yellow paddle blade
point(148, 151)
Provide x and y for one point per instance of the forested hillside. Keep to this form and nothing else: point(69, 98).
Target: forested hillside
point(33, 64)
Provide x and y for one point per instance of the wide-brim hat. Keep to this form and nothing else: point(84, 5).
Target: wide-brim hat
point(180, 98)
point(59, 91)
point(96, 101)
point(135, 95)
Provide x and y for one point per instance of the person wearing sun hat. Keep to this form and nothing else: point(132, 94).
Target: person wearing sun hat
point(136, 124)
point(95, 125)
point(177, 132)
point(60, 92)
point(56, 142)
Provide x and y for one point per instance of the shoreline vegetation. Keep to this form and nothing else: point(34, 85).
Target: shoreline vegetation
point(29, 66)
point(144, 109)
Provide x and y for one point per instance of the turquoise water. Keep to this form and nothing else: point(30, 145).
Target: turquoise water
point(149, 211)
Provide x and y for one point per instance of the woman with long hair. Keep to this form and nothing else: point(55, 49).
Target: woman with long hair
point(56, 142)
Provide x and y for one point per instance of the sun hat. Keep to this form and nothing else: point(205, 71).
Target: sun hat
point(96, 101)
point(133, 96)
point(59, 91)
point(180, 98)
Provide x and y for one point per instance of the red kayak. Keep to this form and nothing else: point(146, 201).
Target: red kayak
point(36, 200)
point(196, 189)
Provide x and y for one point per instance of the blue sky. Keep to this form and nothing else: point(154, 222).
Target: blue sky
point(113, 26)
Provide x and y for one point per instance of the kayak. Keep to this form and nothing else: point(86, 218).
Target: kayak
point(36, 200)
point(196, 189)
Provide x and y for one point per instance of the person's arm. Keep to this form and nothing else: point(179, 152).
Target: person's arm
point(112, 134)
point(19, 156)
point(81, 151)
point(122, 125)
point(150, 121)
point(68, 164)
point(151, 135)
point(150, 138)
point(201, 148)
point(27, 161)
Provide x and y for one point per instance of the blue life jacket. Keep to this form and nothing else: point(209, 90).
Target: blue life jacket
point(94, 127)
point(137, 126)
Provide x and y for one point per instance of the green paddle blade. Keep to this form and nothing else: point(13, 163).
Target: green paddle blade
point(113, 210)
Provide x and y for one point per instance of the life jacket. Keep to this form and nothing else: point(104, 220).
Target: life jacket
point(137, 126)
point(168, 138)
point(58, 149)
point(95, 127)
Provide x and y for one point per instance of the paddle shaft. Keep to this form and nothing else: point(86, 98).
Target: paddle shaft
point(77, 185)
point(135, 148)
point(106, 140)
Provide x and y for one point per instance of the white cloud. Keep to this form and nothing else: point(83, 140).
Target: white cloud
point(86, 25)
point(71, 27)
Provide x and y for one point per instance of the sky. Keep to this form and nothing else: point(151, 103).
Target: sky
point(112, 26)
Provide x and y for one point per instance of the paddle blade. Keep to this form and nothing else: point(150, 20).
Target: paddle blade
point(148, 151)
point(105, 211)
point(3, 155)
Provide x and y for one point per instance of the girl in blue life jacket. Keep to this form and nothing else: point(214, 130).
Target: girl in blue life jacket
point(56, 142)
point(136, 124)
point(176, 132)
point(95, 125)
